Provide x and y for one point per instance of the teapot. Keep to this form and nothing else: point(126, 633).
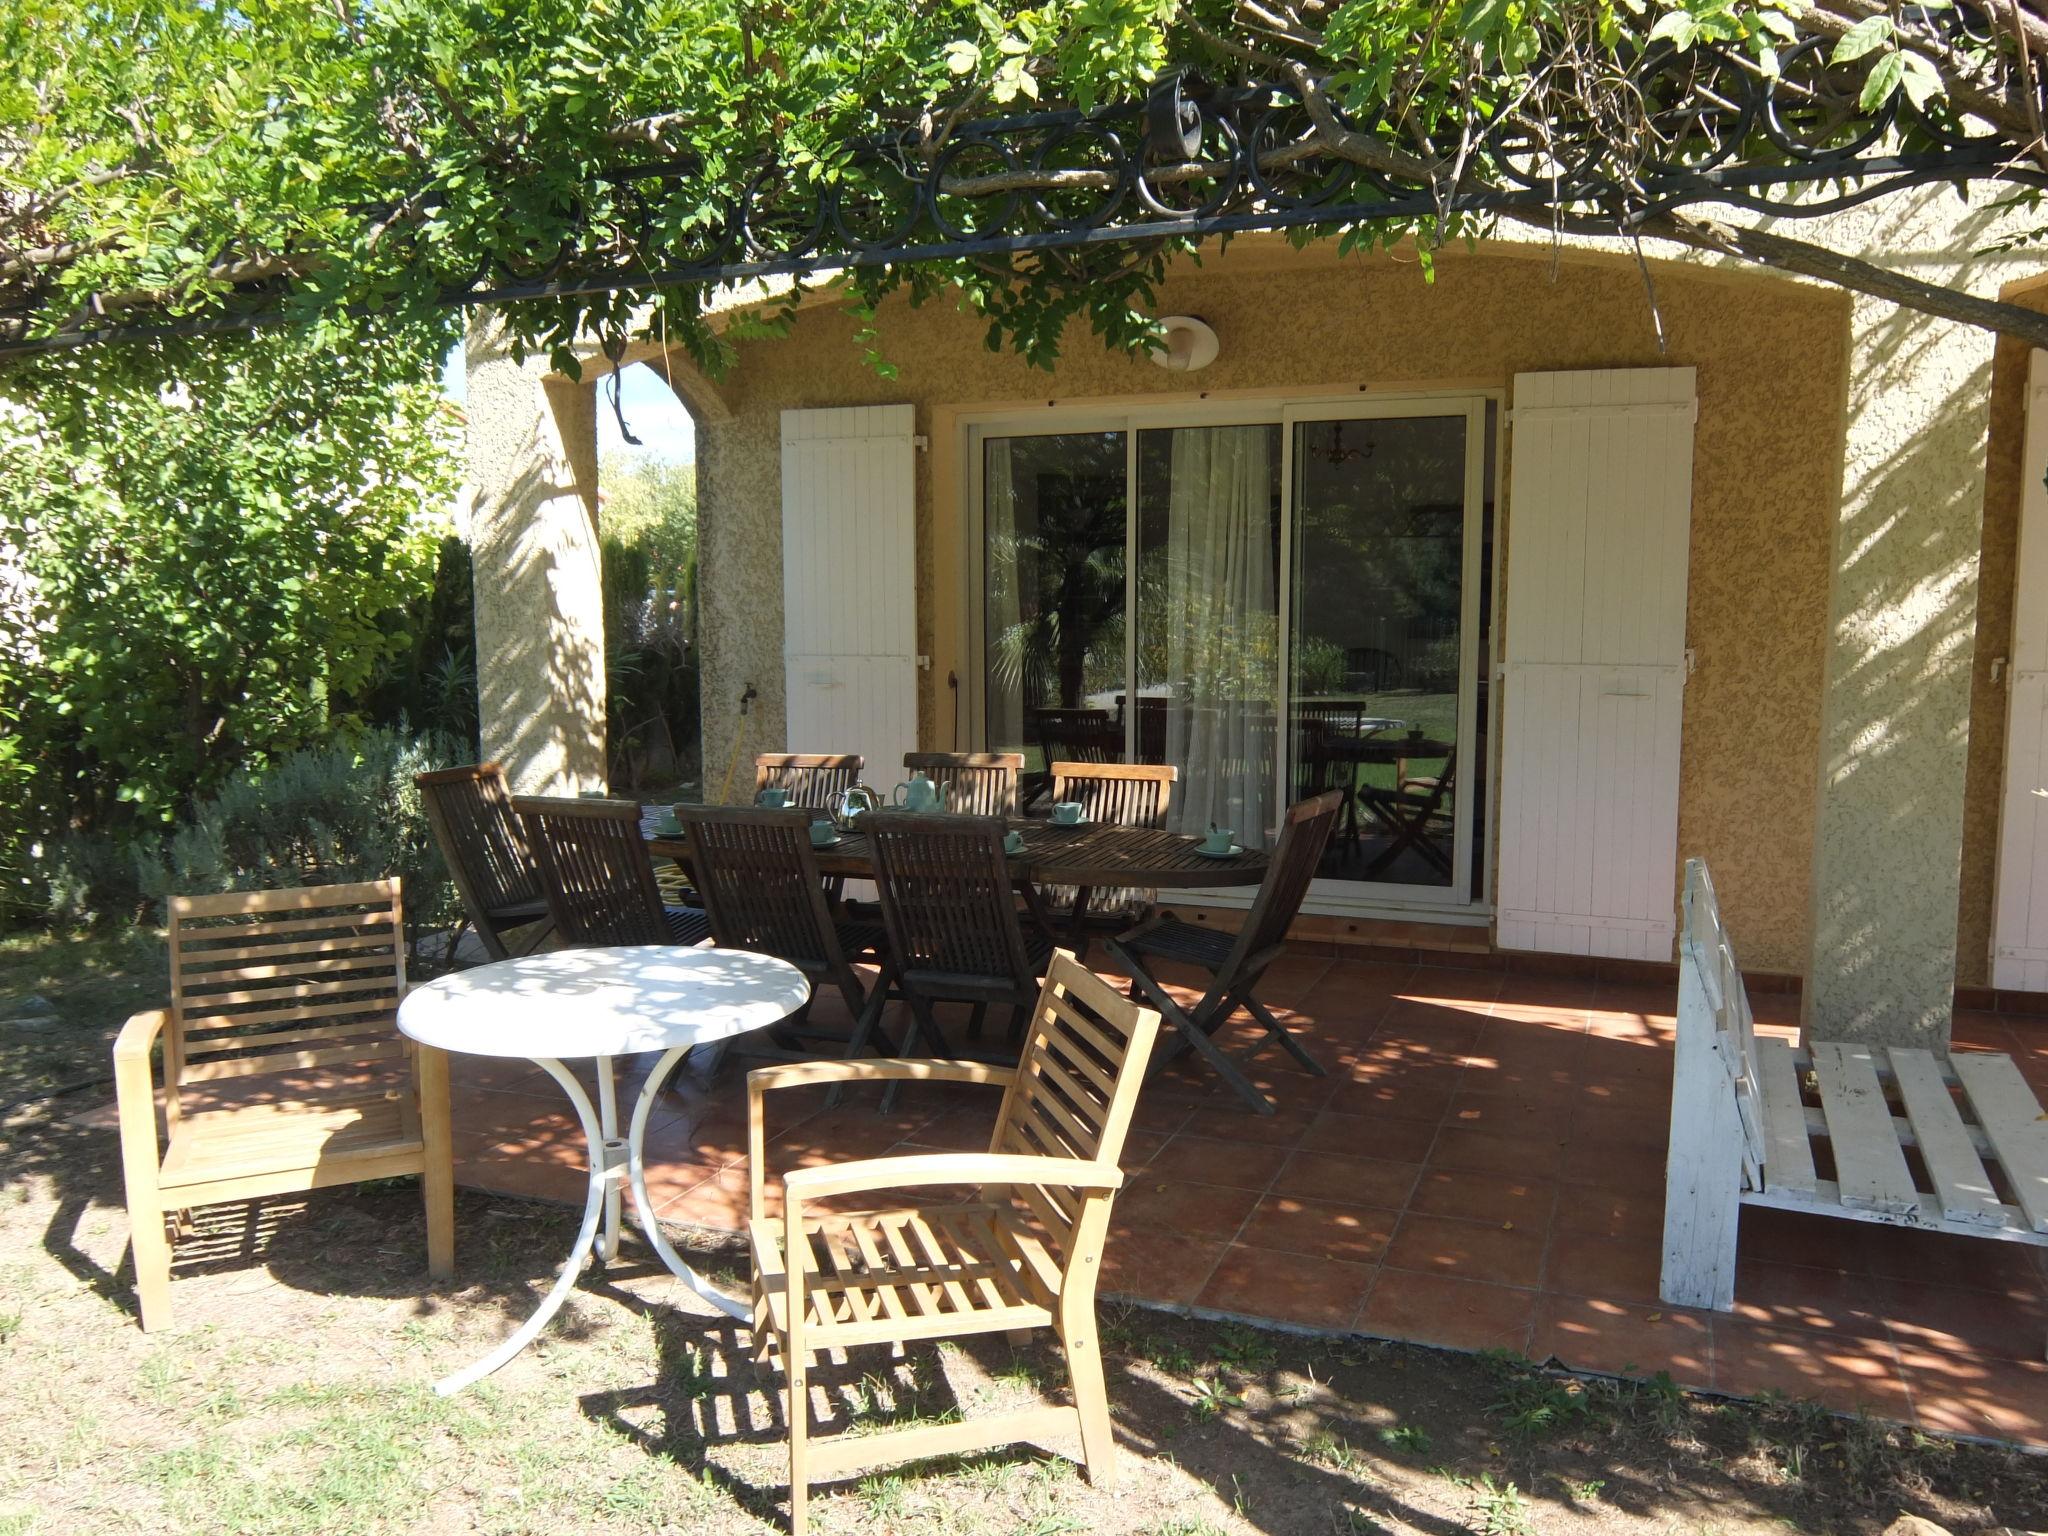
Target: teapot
point(920, 794)
point(853, 803)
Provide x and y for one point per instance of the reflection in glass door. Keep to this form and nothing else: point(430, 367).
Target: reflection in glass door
point(1055, 528)
point(1381, 647)
point(1207, 658)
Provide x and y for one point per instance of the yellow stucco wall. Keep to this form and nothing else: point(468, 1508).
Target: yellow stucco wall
point(1772, 361)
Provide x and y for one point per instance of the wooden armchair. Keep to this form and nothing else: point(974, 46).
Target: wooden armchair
point(598, 876)
point(1022, 1251)
point(814, 779)
point(283, 1069)
point(486, 853)
point(971, 783)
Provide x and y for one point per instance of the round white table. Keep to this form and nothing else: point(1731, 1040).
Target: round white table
point(602, 1003)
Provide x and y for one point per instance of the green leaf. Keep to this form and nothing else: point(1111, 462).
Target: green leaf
point(1883, 81)
point(1869, 33)
point(1921, 82)
point(1676, 28)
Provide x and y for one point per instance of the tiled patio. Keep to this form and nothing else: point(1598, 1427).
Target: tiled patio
point(1482, 1168)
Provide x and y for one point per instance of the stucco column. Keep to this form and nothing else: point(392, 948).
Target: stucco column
point(539, 586)
point(1895, 714)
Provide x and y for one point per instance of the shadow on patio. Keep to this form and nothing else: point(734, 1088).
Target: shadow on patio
point(1482, 1169)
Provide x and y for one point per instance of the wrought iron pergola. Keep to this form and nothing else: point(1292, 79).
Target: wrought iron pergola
point(1194, 161)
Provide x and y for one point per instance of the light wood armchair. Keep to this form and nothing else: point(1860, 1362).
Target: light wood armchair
point(283, 1069)
point(1022, 1252)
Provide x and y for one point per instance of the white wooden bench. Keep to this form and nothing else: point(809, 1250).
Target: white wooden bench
point(1748, 1114)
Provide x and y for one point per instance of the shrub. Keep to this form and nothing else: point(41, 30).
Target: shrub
point(331, 814)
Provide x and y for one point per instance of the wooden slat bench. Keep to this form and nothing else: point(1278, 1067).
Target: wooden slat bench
point(1913, 1138)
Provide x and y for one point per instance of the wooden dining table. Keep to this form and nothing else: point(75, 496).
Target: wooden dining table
point(1087, 858)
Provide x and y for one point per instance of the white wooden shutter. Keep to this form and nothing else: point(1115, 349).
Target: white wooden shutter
point(1599, 519)
point(849, 583)
point(2019, 933)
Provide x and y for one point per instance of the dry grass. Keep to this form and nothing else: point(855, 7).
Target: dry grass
point(293, 1398)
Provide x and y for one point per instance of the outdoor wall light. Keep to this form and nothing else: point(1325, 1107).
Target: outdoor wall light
point(1189, 344)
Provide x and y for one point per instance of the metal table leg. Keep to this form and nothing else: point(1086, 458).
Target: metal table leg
point(643, 1207)
point(607, 1156)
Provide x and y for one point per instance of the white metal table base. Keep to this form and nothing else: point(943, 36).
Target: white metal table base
point(611, 1160)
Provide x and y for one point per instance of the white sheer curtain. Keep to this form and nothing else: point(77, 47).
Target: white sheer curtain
point(1002, 594)
point(1222, 629)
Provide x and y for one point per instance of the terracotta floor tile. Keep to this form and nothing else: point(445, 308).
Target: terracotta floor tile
point(1949, 1319)
point(1525, 1157)
point(1390, 1140)
point(1799, 1296)
point(1287, 1226)
point(1792, 1237)
point(1614, 1269)
point(1506, 1042)
point(1458, 1314)
point(1601, 1211)
point(1941, 1259)
point(1200, 1210)
point(1423, 1097)
point(1166, 1267)
point(1349, 1180)
point(1510, 1114)
point(1475, 1250)
point(1486, 1197)
point(1234, 1120)
point(1842, 1373)
point(1433, 1034)
point(720, 1202)
point(1612, 1165)
point(1614, 1338)
point(1206, 1160)
point(1140, 1147)
point(1971, 1395)
point(1314, 1292)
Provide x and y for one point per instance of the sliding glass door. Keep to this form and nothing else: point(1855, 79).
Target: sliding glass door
point(1386, 533)
point(1278, 606)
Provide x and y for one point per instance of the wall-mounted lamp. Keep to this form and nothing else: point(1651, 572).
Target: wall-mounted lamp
point(1189, 344)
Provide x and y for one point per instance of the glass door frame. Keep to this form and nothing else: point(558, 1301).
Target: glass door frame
point(1335, 897)
point(1459, 892)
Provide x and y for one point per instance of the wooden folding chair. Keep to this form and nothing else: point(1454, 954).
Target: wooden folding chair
point(283, 1069)
point(1236, 961)
point(1021, 1252)
point(762, 892)
point(598, 876)
point(1072, 736)
point(971, 783)
point(1413, 818)
point(1114, 795)
point(487, 857)
point(949, 907)
point(814, 779)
